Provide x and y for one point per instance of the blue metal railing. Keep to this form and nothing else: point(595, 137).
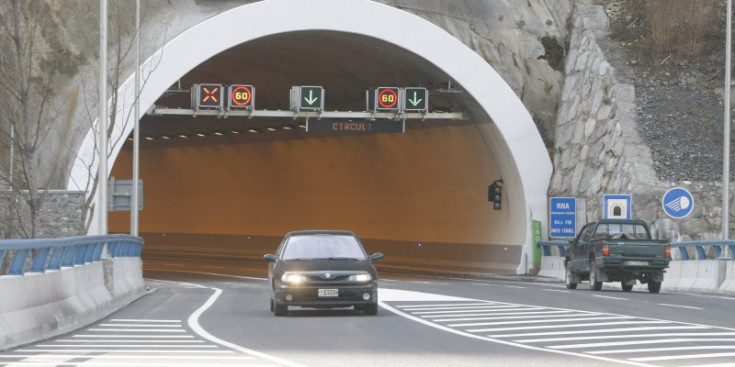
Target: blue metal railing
point(38, 255)
point(546, 247)
point(698, 247)
point(718, 249)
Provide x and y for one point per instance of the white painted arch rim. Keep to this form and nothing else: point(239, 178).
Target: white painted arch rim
point(528, 168)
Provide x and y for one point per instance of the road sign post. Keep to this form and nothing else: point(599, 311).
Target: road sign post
point(616, 207)
point(241, 97)
point(563, 217)
point(415, 100)
point(678, 202)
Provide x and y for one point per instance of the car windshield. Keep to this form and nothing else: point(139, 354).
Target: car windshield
point(322, 246)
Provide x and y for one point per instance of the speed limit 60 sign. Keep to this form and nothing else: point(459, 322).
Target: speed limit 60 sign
point(241, 97)
point(387, 99)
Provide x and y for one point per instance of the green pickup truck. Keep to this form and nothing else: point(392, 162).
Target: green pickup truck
point(616, 251)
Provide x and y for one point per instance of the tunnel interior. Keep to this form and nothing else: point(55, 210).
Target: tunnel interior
point(236, 185)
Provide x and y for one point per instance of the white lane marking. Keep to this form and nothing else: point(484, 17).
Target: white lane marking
point(672, 349)
point(603, 331)
point(444, 304)
point(637, 342)
point(681, 306)
point(134, 325)
point(124, 346)
point(556, 290)
point(729, 364)
point(146, 320)
point(193, 322)
point(38, 358)
point(514, 286)
point(399, 296)
point(110, 351)
point(493, 309)
point(610, 297)
point(105, 336)
point(126, 341)
point(509, 315)
point(538, 315)
point(131, 330)
point(678, 357)
point(544, 321)
point(93, 363)
point(475, 309)
point(633, 322)
point(457, 307)
point(626, 336)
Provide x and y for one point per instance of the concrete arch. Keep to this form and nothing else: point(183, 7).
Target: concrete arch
point(516, 143)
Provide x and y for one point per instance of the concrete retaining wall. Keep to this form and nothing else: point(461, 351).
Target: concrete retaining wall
point(39, 306)
point(704, 276)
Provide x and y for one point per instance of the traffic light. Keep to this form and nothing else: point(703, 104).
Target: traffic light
point(495, 194)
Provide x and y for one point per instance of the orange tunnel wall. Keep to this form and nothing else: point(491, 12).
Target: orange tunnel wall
point(424, 185)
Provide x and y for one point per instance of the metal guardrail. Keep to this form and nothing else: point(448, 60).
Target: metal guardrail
point(38, 255)
point(719, 249)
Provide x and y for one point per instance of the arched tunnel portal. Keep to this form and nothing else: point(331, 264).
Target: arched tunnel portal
point(233, 186)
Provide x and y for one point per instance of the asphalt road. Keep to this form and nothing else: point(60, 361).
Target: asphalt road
point(205, 314)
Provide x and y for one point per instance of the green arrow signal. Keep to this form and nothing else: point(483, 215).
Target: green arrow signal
point(311, 98)
point(416, 100)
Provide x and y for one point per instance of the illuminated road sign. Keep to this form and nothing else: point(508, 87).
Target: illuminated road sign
point(387, 99)
point(208, 96)
point(416, 99)
point(308, 98)
point(241, 97)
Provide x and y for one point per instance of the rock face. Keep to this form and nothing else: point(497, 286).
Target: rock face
point(524, 41)
point(597, 148)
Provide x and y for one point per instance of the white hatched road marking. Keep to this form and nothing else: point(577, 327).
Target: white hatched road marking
point(646, 341)
point(142, 343)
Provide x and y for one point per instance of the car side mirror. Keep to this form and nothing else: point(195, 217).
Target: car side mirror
point(376, 256)
point(269, 258)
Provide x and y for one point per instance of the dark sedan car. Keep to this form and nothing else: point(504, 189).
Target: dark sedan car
point(322, 269)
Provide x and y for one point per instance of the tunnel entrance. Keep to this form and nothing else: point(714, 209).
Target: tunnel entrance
point(419, 196)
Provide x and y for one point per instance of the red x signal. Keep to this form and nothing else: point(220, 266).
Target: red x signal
point(209, 96)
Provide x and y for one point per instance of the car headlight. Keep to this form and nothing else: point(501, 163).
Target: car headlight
point(293, 278)
point(364, 277)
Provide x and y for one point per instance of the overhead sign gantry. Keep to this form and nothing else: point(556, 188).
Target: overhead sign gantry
point(393, 105)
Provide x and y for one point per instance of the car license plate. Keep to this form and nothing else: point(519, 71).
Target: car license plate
point(329, 293)
point(636, 263)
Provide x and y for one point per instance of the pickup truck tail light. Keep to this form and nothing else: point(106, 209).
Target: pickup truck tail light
point(668, 251)
point(605, 250)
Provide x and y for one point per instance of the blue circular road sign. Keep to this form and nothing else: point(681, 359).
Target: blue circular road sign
point(677, 202)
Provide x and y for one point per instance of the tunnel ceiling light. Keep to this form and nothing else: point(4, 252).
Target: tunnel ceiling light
point(236, 132)
point(201, 134)
point(272, 128)
point(165, 137)
point(150, 138)
point(219, 133)
point(287, 127)
point(302, 125)
point(130, 138)
point(183, 136)
point(253, 130)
